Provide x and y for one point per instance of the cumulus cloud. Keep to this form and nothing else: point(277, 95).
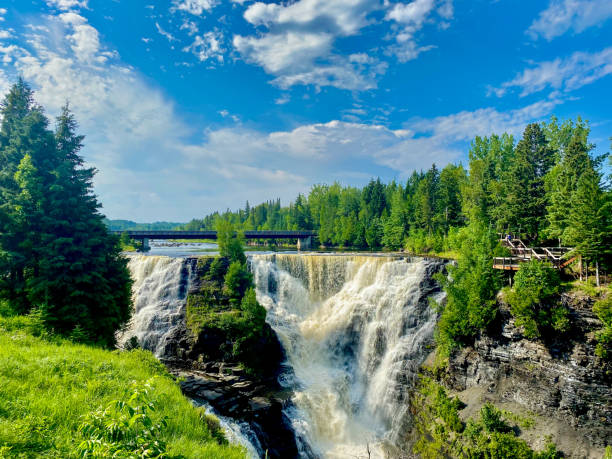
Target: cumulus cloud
point(297, 47)
point(563, 15)
point(195, 7)
point(68, 4)
point(568, 74)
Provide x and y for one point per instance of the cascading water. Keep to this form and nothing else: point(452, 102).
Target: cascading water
point(159, 294)
point(160, 288)
point(355, 330)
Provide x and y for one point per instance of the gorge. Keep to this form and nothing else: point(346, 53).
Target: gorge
point(354, 330)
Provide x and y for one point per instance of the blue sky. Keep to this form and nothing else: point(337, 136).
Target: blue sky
point(191, 106)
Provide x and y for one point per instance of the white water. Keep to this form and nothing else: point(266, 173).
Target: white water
point(159, 292)
point(355, 329)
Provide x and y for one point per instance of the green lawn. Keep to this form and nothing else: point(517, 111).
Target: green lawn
point(48, 386)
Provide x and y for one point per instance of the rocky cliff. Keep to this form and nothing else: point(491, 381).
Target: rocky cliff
point(560, 383)
point(201, 358)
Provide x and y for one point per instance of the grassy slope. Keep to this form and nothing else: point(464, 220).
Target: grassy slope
point(47, 385)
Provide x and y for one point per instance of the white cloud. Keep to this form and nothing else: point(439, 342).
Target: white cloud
point(6, 34)
point(164, 33)
point(84, 39)
point(564, 15)
point(207, 46)
point(567, 74)
point(298, 45)
point(195, 7)
point(411, 18)
point(190, 26)
point(68, 4)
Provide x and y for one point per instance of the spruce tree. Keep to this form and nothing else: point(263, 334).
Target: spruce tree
point(562, 182)
point(589, 219)
point(524, 204)
point(57, 254)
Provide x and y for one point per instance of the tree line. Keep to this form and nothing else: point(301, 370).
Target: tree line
point(56, 254)
point(548, 188)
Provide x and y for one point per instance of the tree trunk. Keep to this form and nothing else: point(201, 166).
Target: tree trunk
point(597, 272)
point(580, 267)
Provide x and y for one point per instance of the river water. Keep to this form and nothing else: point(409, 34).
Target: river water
point(355, 329)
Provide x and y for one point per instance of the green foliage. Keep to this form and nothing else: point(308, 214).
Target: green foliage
point(491, 419)
point(126, 243)
point(441, 433)
point(125, 428)
point(51, 387)
point(533, 300)
point(226, 313)
point(230, 242)
point(56, 254)
point(237, 280)
point(603, 310)
point(471, 287)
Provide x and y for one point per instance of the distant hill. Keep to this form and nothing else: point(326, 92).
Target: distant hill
point(125, 225)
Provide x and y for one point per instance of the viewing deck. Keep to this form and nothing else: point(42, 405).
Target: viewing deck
point(558, 257)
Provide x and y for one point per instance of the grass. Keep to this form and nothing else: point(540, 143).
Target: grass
point(49, 386)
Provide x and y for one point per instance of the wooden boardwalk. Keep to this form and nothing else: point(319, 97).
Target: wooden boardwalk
point(558, 257)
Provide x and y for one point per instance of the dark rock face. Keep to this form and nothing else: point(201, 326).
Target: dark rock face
point(232, 393)
point(257, 400)
point(561, 379)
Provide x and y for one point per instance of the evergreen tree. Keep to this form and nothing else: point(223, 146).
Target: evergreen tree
point(589, 225)
point(524, 206)
point(61, 258)
point(562, 182)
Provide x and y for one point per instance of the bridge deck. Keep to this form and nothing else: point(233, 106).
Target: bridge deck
point(213, 234)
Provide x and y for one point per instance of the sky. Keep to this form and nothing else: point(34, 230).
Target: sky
point(191, 106)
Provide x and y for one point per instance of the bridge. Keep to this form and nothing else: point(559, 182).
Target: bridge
point(304, 238)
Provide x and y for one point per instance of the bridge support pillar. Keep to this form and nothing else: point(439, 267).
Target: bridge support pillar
point(305, 243)
point(145, 244)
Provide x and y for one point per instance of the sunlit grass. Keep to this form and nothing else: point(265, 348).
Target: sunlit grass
point(47, 385)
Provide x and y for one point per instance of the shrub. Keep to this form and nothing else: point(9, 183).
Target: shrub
point(125, 428)
point(471, 288)
point(237, 280)
point(533, 297)
point(603, 310)
point(491, 419)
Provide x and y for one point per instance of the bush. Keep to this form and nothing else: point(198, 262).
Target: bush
point(237, 280)
point(533, 297)
point(440, 432)
point(471, 288)
point(125, 428)
point(603, 310)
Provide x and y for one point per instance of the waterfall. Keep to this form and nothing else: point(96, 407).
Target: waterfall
point(355, 330)
point(158, 293)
